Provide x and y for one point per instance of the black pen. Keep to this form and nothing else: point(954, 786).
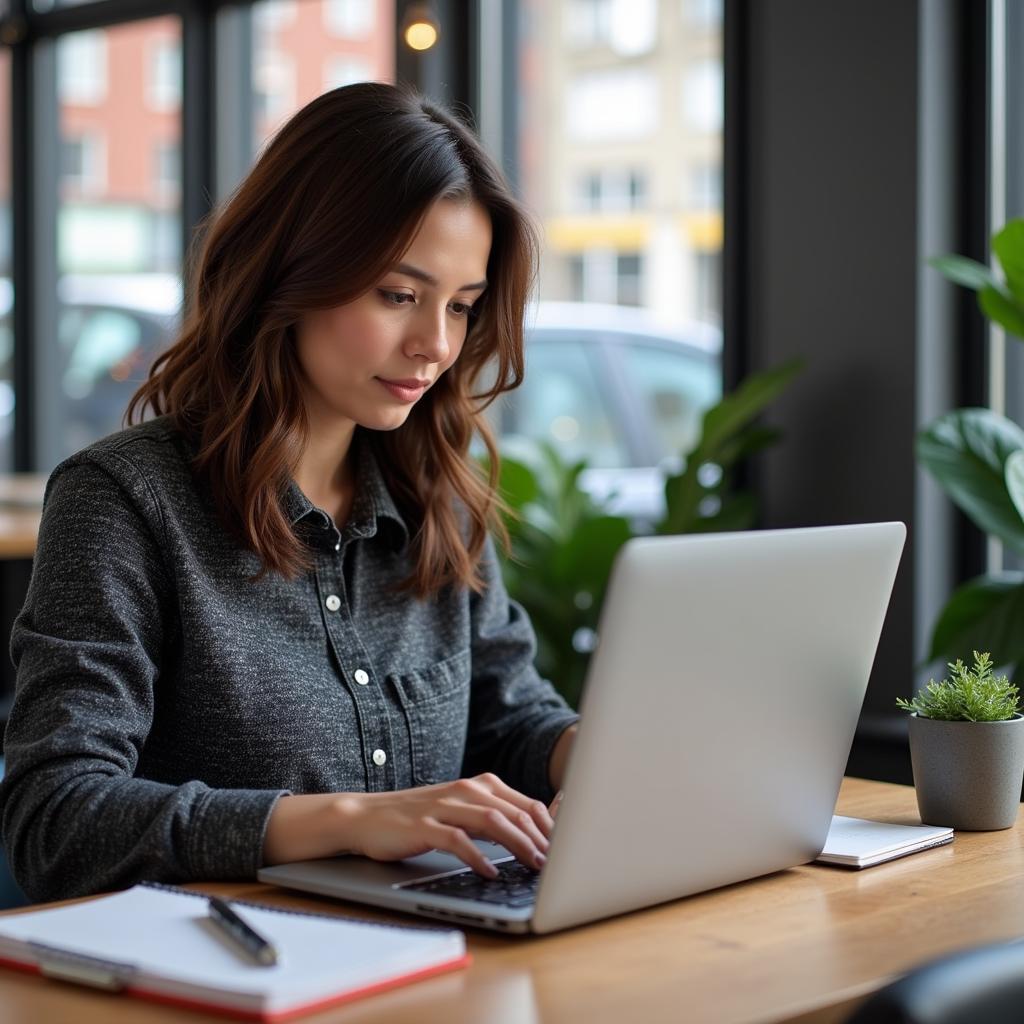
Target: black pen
point(245, 937)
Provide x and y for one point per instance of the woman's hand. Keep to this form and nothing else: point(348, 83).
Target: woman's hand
point(391, 826)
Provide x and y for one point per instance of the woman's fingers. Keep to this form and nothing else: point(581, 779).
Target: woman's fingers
point(535, 808)
point(519, 818)
point(494, 824)
point(455, 841)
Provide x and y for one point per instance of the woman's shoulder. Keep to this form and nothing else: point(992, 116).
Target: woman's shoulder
point(148, 455)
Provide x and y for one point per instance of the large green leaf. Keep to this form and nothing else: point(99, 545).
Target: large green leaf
point(1014, 475)
point(961, 270)
point(985, 614)
point(747, 402)
point(517, 484)
point(966, 451)
point(999, 305)
point(1008, 246)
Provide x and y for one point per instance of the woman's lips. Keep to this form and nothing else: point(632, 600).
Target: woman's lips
point(405, 390)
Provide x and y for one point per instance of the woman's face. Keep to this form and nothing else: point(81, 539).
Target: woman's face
point(368, 362)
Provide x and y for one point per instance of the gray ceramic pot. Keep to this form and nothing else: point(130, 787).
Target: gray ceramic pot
point(968, 774)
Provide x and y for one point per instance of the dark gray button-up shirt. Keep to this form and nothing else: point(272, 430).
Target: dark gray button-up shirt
point(165, 701)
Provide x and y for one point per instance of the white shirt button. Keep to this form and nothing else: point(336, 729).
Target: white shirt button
point(361, 677)
point(379, 757)
point(333, 602)
point(337, 547)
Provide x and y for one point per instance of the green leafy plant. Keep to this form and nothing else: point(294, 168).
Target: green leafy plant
point(563, 541)
point(968, 695)
point(977, 457)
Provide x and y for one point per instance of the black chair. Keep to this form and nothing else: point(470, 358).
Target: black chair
point(978, 986)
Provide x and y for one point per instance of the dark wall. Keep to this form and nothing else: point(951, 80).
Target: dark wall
point(831, 180)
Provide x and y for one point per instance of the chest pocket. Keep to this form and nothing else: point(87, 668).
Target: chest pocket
point(435, 702)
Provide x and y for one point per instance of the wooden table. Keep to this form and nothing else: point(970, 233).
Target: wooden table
point(802, 946)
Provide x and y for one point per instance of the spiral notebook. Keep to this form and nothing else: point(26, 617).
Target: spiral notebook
point(157, 942)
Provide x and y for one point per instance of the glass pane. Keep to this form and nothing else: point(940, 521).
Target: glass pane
point(302, 48)
point(676, 387)
point(119, 219)
point(561, 402)
point(621, 151)
point(6, 291)
point(620, 156)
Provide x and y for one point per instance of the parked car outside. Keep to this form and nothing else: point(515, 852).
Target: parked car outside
point(110, 327)
point(614, 386)
point(608, 384)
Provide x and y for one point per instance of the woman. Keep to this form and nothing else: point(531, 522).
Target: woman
point(268, 624)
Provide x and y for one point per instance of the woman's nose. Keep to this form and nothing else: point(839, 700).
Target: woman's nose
point(430, 339)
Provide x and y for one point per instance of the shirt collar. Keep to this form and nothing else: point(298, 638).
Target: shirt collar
point(373, 501)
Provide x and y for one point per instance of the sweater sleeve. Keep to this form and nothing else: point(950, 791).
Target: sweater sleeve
point(515, 716)
point(87, 647)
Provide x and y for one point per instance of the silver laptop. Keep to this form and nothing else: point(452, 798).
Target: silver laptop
point(717, 717)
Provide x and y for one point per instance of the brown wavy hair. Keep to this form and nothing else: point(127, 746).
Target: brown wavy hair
point(329, 208)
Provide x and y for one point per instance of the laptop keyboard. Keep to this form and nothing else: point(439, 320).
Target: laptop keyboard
point(515, 886)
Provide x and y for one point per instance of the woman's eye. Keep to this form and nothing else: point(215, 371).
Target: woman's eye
point(460, 308)
point(397, 298)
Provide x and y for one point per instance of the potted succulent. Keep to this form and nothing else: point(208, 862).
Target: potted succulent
point(967, 748)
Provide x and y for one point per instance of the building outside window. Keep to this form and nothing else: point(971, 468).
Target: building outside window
point(320, 45)
point(620, 151)
point(626, 27)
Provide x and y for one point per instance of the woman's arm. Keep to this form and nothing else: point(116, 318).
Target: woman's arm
point(516, 718)
point(560, 756)
point(88, 646)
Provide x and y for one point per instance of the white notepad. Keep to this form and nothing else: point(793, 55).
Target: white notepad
point(859, 843)
point(158, 943)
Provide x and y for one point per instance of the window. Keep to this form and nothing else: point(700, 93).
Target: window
point(628, 27)
point(320, 46)
point(703, 13)
point(272, 15)
point(601, 275)
point(350, 19)
point(274, 81)
point(611, 191)
point(707, 298)
point(82, 68)
point(6, 289)
point(703, 97)
point(167, 168)
point(83, 163)
point(346, 70)
point(677, 387)
point(702, 189)
point(560, 402)
point(617, 104)
point(164, 77)
point(119, 232)
point(629, 279)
